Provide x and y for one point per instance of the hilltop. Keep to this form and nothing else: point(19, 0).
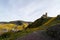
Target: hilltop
point(17, 22)
point(45, 21)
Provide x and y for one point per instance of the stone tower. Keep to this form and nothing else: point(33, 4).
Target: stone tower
point(45, 15)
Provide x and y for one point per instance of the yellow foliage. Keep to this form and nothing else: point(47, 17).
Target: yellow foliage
point(50, 21)
point(12, 26)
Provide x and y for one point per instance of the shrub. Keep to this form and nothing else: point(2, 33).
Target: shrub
point(54, 31)
point(6, 35)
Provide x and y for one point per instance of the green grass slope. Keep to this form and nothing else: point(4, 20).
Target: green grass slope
point(38, 22)
point(55, 21)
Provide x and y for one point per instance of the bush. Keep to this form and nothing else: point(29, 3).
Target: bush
point(6, 35)
point(54, 31)
point(58, 17)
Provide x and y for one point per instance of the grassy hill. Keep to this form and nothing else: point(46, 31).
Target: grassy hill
point(13, 26)
point(39, 24)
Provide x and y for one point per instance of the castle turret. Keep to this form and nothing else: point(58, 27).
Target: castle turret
point(45, 15)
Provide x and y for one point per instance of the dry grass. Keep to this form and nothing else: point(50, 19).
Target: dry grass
point(10, 27)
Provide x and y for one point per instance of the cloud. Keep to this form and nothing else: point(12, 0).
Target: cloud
point(28, 10)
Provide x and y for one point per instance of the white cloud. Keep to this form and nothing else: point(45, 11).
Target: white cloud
point(28, 10)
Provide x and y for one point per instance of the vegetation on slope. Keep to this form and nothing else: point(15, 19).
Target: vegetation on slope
point(54, 32)
point(55, 21)
point(39, 22)
point(37, 25)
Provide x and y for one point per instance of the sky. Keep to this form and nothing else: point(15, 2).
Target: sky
point(27, 10)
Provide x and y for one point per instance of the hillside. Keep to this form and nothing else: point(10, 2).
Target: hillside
point(55, 21)
point(48, 21)
point(13, 26)
point(22, 28)
point(53, 26)
point(52, 33)
point(40, 21)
